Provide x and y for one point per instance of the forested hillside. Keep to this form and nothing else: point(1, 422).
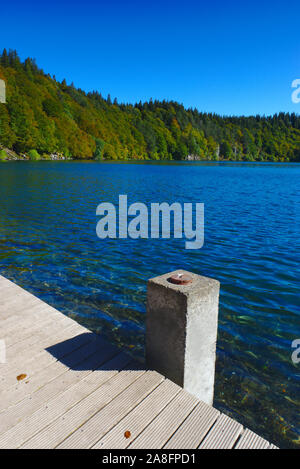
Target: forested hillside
point(47, 116)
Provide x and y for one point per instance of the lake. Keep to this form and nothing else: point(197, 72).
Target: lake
point(252, 230)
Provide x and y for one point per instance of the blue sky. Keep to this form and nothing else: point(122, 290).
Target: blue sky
point(229, 57)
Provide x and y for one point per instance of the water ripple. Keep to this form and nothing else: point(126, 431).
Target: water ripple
point(49, 246)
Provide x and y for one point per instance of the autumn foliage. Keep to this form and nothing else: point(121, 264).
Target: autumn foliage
point(52, 117)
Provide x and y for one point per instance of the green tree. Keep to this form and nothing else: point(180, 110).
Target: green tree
point(50, 116)
point(34, 155)
point(3, 155)
point(226, 150)
point(98, 153)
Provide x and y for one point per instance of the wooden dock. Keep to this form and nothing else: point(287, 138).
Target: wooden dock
point(63, 386)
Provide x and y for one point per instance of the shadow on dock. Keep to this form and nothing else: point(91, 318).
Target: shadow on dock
point(88, 351)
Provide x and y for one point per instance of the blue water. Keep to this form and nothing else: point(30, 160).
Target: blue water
point(49, 246)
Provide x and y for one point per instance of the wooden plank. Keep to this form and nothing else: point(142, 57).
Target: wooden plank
point(10, 323)
point(35, 380)
point(58, 405)
point(17, 305)
point(14, 294)
point(29, 342)
point(4, 281)
point(250, 440)
point(14, 358)
point(62, 427)
point(44, 329)
point(57, 335)
point(190, 434)
point(15, 322)
point(55, 377)
point(16, 300)
point(157, 434)
point(20, 310)
point(112, 413)
point(223, 434)
point(30, 329)
point(32, 317)
point(77, 395)
point(139, 418)
point(29, 361)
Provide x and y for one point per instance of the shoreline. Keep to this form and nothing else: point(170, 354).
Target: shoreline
point(13, 156)
point(188, 162)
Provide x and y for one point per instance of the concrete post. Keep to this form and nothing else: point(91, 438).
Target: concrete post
point(182, 324)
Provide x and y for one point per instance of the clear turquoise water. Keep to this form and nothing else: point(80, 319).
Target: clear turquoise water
point(49, 246)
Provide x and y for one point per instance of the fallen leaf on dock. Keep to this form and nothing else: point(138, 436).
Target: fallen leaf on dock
point(21, 376)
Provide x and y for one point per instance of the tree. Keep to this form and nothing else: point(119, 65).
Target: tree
point(226, 150)
point(52, 108)
point(181, 151)
point(34, 155)
point(98, 153)
point(4, 58)
point(3, 155)
point(49, 116)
